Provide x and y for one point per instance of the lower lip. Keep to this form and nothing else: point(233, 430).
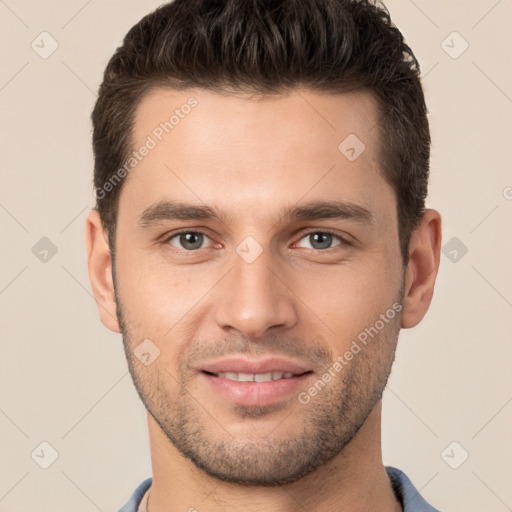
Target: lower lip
point(256, 393)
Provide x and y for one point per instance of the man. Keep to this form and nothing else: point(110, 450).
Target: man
point(259, 239)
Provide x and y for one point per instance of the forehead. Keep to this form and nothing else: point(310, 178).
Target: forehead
point(239, 150)
point(298, 111)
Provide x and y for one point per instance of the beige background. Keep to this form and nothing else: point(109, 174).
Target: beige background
point(63, 376)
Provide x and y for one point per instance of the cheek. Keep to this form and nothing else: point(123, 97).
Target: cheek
point(350, 300)
point(146, 299)
point(160, 304)
point(146, 282)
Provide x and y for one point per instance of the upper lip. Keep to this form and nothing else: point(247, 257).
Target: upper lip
point(242, 365)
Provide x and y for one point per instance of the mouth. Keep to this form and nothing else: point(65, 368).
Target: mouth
point(240, 381)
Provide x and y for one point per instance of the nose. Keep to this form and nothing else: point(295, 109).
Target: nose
point(254, 298)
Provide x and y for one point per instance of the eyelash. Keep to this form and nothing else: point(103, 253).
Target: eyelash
point(343, 241)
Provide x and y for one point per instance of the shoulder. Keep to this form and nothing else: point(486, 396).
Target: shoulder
point(411, 499)
point(133, 503)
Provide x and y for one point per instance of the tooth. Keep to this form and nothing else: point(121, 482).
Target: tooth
point(263, 377)
point(258, 377)
point(245, 377)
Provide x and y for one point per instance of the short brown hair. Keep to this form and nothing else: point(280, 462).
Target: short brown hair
point(269, 47)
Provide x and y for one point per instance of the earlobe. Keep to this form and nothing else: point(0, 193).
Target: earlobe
point(99, 265)
point(422, 268)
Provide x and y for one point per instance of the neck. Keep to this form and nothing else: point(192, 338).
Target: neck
point(355, 480)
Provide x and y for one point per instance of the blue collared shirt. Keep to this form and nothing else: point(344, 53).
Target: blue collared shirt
point(404, 489)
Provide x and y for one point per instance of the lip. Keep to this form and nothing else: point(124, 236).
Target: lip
point(256, 394)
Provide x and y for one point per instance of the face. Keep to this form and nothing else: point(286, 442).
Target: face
point(252, 257)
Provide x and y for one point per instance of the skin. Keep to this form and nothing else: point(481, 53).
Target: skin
point(307, 302)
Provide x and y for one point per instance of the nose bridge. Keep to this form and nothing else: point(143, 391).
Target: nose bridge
point(253, 298)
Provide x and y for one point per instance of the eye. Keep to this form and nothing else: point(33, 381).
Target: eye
point(321, 240)
point(194, 240)
point(188, 240)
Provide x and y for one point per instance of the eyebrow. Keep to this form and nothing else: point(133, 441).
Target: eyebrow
point(316, 210)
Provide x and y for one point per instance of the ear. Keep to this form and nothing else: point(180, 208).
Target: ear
point(421, 272)
point(99, 264)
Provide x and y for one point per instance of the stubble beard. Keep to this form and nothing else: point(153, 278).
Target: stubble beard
point(298, 443)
